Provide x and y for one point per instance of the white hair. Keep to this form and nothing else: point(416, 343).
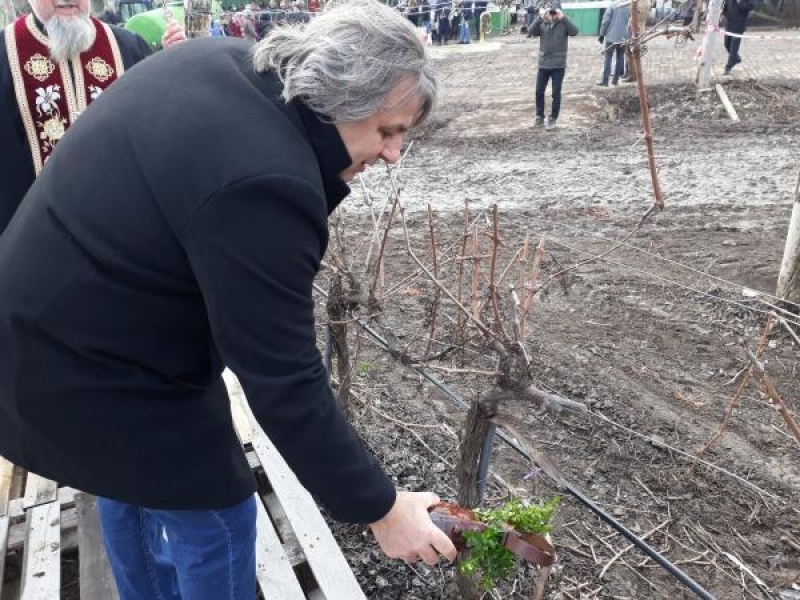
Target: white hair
point(345, 62)
point(69, 36)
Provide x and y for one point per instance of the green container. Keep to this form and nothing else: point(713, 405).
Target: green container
point(151, 25)
point(500, 21)
point(585, 16)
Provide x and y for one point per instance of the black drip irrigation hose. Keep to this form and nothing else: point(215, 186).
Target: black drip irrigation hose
point(587, 502)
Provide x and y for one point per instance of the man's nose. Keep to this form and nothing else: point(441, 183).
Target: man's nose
point(392, 149)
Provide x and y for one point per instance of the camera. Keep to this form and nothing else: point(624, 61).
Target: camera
point(553, 11)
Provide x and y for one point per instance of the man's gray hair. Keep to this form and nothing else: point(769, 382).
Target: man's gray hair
point(344, 62)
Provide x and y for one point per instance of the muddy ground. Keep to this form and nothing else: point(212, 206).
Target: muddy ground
point(647, 337)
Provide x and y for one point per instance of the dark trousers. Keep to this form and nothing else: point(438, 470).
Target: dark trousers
point(613, 50)
point(628, 73)
point(542, 78)
point(732, 46)
point(478, 14)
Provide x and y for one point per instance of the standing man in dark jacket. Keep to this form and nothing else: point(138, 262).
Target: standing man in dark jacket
point(53, 63)
point(736, 13)
point(128, 281)
point(553, 28)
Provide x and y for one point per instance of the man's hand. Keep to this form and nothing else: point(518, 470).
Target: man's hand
point(558, 15)
point(174, 34)
point(407, 531)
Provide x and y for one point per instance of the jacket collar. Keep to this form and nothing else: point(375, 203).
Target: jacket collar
point(39, 25)
point(331, 153)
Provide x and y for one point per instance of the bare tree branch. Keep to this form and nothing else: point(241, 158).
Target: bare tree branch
point(762, 343)
point(496, 242)
point(773, 394)
point(437, 294)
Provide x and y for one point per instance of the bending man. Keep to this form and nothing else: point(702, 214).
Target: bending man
point(163, 251)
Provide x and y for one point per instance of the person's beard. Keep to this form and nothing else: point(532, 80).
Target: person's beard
point(69, 36)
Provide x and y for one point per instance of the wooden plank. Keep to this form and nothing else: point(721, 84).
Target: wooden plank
point(69, 533)
point(66, 498)
point(41, 566)
point(39, 490)
point(240, 419)
point(18, 482)
point(6, 474)
point(3, 547)
point(96, 580)
point(726, 102)
point(284, 528)
point(274, 571)
point(333, 574)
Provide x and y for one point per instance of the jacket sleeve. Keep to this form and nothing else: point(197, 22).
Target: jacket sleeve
point(536, 27)
point(132, 44)
point(143, 47)
point(606, 20)
point(572, 31)
point(255, 248)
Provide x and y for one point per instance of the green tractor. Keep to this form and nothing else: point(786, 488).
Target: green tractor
point(151, 24)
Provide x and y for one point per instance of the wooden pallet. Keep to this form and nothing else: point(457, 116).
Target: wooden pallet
point(297, 557)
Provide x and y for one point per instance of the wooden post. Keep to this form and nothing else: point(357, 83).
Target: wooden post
point(789, 277)
point(709, 43)
point(197, 18)
point(636, 64)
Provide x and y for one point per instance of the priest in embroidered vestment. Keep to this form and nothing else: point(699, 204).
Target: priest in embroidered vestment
point(53, 63)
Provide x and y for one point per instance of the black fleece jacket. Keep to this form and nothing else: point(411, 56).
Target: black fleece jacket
point(175, 230)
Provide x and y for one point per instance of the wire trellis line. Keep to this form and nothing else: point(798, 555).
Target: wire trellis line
point(681, 265)
point(670, 281)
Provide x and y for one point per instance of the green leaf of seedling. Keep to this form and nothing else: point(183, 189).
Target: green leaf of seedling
point(488, 559)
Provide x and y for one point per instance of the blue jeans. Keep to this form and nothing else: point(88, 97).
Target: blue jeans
point(181, 554)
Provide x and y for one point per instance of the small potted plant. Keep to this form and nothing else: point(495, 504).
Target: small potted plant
point(491, 540)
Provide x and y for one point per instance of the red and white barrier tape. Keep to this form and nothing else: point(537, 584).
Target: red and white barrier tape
point(750, 36)
point(699, 52)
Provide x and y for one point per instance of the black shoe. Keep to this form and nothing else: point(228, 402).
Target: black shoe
point(539, 122)
point(602, 83)
point(727, 71)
